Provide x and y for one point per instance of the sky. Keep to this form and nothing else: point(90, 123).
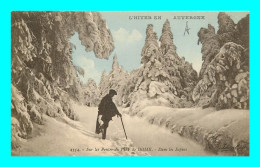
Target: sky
point(129, 38)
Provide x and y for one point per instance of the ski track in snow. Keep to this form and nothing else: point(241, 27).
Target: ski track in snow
point(64, 137)
point(145, 135)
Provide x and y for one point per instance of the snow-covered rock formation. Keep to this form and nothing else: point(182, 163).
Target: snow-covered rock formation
point(43, 76)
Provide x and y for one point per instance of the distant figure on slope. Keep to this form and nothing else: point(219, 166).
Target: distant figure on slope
point(187, 29)
point(106, 110)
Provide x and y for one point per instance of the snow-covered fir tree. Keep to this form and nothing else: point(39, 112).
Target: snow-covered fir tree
point(116, 79)
point(151, 58)
point(91, 93)
point(224, 76)
point(164, 78)
point(182, 76)
point(150, 87)
point(166, 39)
point(115, 64)
point(103, 84)
point(170, 59)
point(44, 79)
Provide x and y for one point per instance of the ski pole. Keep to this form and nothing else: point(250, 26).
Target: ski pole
point(123, 126)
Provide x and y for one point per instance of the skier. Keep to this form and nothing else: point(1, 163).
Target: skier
point(187, 29)
point(106, 110)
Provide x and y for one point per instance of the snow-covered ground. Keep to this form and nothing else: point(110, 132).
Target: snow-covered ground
point(144, 135)
point(64, 137)
point(225, 132)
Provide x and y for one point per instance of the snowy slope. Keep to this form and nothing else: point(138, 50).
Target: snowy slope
point(143, 134)
point(224, 131)
point(57, 138)
point(62, 136)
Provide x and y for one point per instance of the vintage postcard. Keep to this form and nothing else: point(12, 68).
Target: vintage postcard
point(129, 83)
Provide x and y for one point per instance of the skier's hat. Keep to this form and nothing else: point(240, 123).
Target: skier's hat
point(112, 92)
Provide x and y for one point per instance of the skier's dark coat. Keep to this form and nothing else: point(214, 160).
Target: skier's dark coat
point(107, 108)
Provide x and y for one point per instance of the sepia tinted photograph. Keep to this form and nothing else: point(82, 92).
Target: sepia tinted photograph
point(129, 83)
